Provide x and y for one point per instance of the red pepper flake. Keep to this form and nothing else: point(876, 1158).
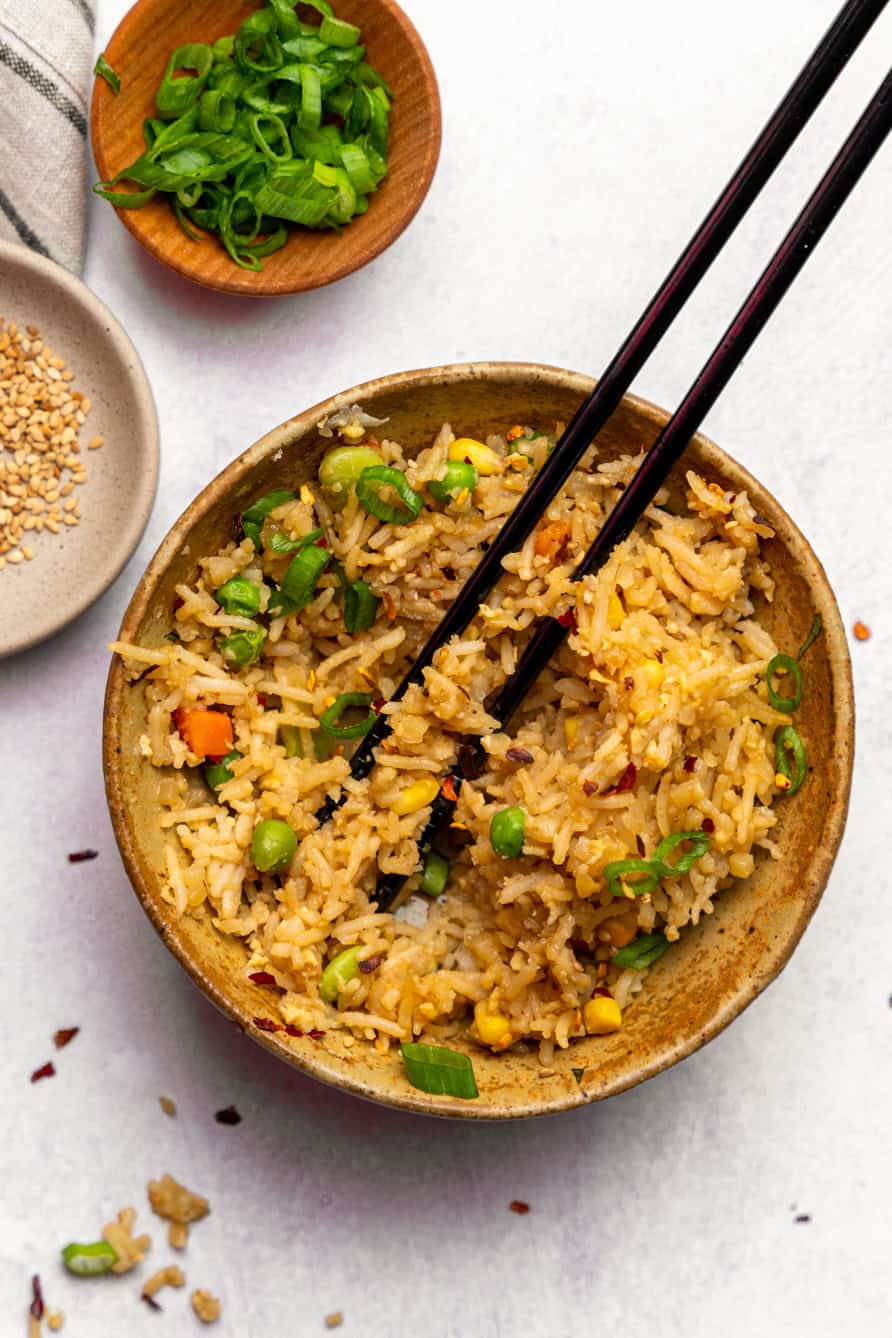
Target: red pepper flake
point(708, 825)
point(371, 964)
point(639, 844)
point(45, 1071)
point(658, 656)
point(627, 780)
point(149, 1300)
point(378, 704)
point(64, 1037)
point(732, 498)
point(518, 1206)
point(37, 1306)
point(178, 602)
point(315, 1034)
point(690, 763)
point(522, 756)
point(589, 788)
point(321, 543)
point(261, 699)
point(228, 1115)
point(861, 630)
point(448, 790)
point(262, 978)
point(79, 856)
point(291, 1030)
point(602, 991)
point(568, 620)
point(267, 1024)
point(628, 682)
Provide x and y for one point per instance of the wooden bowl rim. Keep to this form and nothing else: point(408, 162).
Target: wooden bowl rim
point(813, 877)
point(244, 283)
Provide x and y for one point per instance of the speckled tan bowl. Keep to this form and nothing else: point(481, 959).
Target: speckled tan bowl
point(717, 969)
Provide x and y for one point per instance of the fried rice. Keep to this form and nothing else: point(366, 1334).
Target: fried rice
point(652, 719)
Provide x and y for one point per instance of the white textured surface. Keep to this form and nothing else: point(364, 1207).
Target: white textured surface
point(582, 143)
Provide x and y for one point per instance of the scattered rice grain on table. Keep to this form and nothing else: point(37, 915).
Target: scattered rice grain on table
point(652, 719)
point(205, 1305)
point(41, 417)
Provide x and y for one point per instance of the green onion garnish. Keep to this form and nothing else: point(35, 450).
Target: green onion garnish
point(360, 607)
point(660, 861)
point(339, 972)
point(442, 1072)
point(775, 666)
point(302, 576)
point(282, 122)
point(105, 71)
point(816, 629)
point(239, 596)
point(243, 648)
point(458, 476)
point(293, 742)
point(280, 542)
point(434, 875)
point(641, 953)
point(368, 490)
point(789, 757)
point(618, 872)
point(257, 512)
point(328, 721)
point(218, 773)
point(87, 1261)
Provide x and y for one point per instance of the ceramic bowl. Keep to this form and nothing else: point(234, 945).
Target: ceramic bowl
point(139, 51)
point(718, 968)
point(71, 569)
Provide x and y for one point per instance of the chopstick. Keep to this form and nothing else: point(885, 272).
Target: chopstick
point(834, 189)
point(817, 76)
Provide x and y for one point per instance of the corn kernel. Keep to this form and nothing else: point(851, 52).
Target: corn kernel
point(353, 432)
point(306, 495)
point(651, 672)
point(781, 781)
point(416, 796)
point(615, 613)
point(602, 1015)
point(571, 729)
point(741, 864)
point(585, 884)
point(484, 460)
point(492, 1028)
point(518, 462)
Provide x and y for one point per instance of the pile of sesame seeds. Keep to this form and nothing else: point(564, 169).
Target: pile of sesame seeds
point(41, 416)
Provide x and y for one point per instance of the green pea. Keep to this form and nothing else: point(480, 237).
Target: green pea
point(339, 971)
point(459, 475)
point(240, 596)
point(273, 845)
point(434, 875)
point(243, 648)
point(218, 773)
point(506, 832)
point(88, 1260)
point(339, 470)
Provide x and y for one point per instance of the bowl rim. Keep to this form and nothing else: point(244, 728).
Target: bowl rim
point(253, 284)
point(94, 582)
point(812, 883)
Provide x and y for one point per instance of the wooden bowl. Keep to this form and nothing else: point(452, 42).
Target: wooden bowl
point(718, 968)
point(139, 51)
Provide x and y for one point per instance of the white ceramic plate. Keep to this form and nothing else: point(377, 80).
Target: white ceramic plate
point(71, 569)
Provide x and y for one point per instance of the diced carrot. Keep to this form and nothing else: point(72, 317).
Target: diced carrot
point(208, 733)
point(552, 540)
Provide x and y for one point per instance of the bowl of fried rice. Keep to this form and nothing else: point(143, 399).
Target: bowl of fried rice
point(640, 849)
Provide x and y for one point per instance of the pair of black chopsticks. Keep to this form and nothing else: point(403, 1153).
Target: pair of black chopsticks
point(817, 77)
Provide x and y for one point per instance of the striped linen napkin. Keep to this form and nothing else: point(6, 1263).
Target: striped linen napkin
point(46, 49)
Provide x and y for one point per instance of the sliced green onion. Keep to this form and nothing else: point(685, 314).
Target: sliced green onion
point(789, 757)
point(360, 607)
point(816, 628)
point(339, 972)
point(310, 114)
point(328, 721)
point(619, 877)
point(218, 773)
point(323, 745)
point(257, 512)
point(442, 1072)
point(459, 476)
point(216, 110)
point(243, 648)
point(641, 953)
point(105, 71)
point(340, 470)
point(292, 740)
point(302, 576)
point(86, 1261)
point(176, 96)
point(506, 832)
point(336, 32)
point(271, 136)
point(281, 542)
point(368, 490)
point(775, 666)
point(435, 874)
point(699, 845)
point(257, 48)
point(239, 596)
